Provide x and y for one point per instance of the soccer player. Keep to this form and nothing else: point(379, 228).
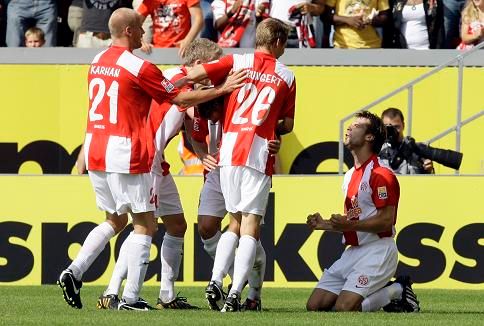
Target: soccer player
point(121, 87)
point(206, 136)
point(164, 124)
point(254, 114)
point(356, 282)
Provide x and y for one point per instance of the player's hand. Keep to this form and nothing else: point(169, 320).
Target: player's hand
point(355, 21)
point(234, 80)
point(146, 47)
point(307, 8)
point(340, 222)
point(209, 162)
point(315, 221)
point(428, 165)
point(274, 146)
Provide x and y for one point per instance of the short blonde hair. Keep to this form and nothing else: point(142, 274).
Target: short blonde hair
point(269, 31)
point(35, 31)
point(201, 49)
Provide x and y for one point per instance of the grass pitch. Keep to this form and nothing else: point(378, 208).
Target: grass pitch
point(44, 305)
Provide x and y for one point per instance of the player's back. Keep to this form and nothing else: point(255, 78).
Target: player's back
point(252, 112)
point(119, 102)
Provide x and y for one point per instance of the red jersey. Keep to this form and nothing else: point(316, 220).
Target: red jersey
point(252, 111)
point(171, 20)
point(368, 188)
point(121, 87)
point(165, 122)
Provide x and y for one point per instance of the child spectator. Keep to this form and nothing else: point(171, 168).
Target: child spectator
point(34, 38)
point(472, 28)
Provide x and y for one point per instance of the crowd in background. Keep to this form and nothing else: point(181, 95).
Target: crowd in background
point(413, 24)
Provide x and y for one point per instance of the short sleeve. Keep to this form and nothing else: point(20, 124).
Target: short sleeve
point(218, 9)
point(289, 108)
point(219, 69)
point(385, 188)
point(144, 8)
point(151, 80)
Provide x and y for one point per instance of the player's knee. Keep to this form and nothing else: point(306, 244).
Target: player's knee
point(206, 230)
point(177, 226)
point(344, 306)
point(312, 305)
point(119, 223)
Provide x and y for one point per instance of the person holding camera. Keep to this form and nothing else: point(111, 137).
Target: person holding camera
point(399, 152)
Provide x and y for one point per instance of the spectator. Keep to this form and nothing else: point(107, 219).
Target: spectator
point(418, 24)
point(94, 31)
point(176, 23)
point(452, 17)
point(34, 37)
point(208, 30)
point(74, 19)
point(472, 28)
point(21, 13)
point(147, 24)
point(235, 20)
point(394, 153)
point(297, 14)
point(355, 22)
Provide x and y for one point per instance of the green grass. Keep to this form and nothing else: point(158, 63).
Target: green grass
point(34, 305)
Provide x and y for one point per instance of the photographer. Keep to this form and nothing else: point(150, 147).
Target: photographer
point(401, 153)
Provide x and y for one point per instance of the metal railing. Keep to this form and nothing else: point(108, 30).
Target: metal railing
point(409, 87)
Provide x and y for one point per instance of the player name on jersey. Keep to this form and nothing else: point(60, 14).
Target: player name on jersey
point(106, 71)
point(265, 78)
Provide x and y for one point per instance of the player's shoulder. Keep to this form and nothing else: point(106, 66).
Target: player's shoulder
point(382, 171)
point(285, 73)
point(175, 73)
point(125, 59)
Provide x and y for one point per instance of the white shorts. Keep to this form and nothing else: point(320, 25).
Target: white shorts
point(122, 193)
point(245, 189)
point(212, 202)
point(362, 269)
point(167, 196)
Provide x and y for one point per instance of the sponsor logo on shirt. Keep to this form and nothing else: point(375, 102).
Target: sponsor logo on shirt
point(382, 192)
point(354, 212)
point(167, 85)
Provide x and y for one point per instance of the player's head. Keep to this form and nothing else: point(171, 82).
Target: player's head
point(34, 37)
point(125, 26)
point(211, 110)
point(366, 130)
point(271, 34)
point(201, 50)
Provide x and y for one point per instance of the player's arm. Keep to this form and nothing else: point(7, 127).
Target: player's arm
point(81, 161)
point(233, 81)
point(196, 26)
point(197, 138)
point(144, 11)
point(285, 126)
point(380, 222)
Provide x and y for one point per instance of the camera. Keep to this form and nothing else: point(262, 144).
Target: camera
point(412, 151)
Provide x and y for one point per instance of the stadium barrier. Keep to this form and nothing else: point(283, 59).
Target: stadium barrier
point(46, 109)
point(440, 231)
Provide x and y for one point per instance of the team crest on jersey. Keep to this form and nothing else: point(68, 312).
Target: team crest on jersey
point(167, 85)
point(364, 186)
point(382, 192)
point(363, 280)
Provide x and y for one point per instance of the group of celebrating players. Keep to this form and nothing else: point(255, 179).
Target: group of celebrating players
point(234, 108)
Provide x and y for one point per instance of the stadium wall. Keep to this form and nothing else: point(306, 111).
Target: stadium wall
point(44, 101)
point(440, 227)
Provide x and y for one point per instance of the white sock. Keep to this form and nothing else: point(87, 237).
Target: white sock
point(244, 261)
point(95, 242)
point(256, 275)
point(210, 245)
point(171, 257)
point(225, 255)
point(138, 259)
point(381, 298)
point(120, 269)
